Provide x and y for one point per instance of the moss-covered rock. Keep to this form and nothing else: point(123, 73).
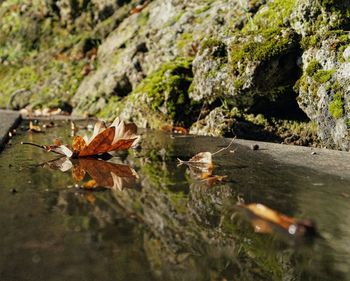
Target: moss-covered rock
point(163, 97)
point(324, 85)
point(101, 58)
point(47, 48)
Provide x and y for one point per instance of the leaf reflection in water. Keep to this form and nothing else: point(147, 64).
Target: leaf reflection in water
point(101, 173)
point(266, 220)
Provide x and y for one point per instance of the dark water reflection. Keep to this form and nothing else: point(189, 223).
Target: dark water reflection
point(153, 221)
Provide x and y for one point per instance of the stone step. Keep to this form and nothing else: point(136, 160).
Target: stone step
point(8, 120)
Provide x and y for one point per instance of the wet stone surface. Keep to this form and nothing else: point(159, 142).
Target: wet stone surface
point(8, 120)
point(149, 219)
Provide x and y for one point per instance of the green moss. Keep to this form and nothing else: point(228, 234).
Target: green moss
point(202, 9)
point(167, 89)
point(43, 55)
point(312, 67)
point(211, 43)
point(301, 85)
point(175, 19)
point(36, 78)
point(267, 25)
point(323, 76)
point(239, 83)
point(347, 122)
point(217, 48)
point(184, 41)
point(274, 15)
point(336, 106)
point(142, 18)
point(310, 41)
point(259, 119)
point(109, 111)
point(273, 43)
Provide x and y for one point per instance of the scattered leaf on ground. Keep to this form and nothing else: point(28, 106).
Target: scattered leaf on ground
point(119, 136)
point(46, 112)
point(34, 128)
point(201, 165)
point(174, 129)
point(139, 8)
point(266, 220)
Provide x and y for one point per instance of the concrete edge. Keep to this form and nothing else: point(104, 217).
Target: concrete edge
point(324, 160)
point(9, 120)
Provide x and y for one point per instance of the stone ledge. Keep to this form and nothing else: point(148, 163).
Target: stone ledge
point(8, 120)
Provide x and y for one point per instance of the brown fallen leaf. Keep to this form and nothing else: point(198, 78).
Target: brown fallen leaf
point(34, 128)
point(266, 220)
point(201, 165)
point(174, 129)
point(138, 8)
point(118, 136)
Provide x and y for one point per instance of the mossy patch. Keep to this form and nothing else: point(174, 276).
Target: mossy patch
point(167, 90)
point(265, 36)
point(270, 44)
point(183, 42)
point(312, 67)
point(323, 76)
point(336, 106)
point(40, 53)
point(274, 15)
point(217, 47)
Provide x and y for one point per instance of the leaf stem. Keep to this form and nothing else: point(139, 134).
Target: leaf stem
point(224, 148)
point(34, 144)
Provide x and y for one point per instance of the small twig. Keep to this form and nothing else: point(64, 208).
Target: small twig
point(224, 148)
point(200, 112)
point(34, 144)
point(46, 148)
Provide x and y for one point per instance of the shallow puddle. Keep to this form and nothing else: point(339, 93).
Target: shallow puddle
point(141, 217)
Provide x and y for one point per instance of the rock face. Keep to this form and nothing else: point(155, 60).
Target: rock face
point(324, 86)
point(197, 64)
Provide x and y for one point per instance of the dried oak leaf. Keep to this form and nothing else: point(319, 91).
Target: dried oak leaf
point(34, 128)
point(201, 165)
point(266, 220)
point(118, 136)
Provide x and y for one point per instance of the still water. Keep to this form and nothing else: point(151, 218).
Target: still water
point(154, 220)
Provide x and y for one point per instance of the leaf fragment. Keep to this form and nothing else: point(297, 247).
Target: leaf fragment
point(213, 180)
point(139, 8)
point(266, 220)
point(119, 136)
point(59, 149)
point(34, 128)
point(174, 129)
point(78, 143)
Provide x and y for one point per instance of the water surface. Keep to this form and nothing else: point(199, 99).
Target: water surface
point(164, 223)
